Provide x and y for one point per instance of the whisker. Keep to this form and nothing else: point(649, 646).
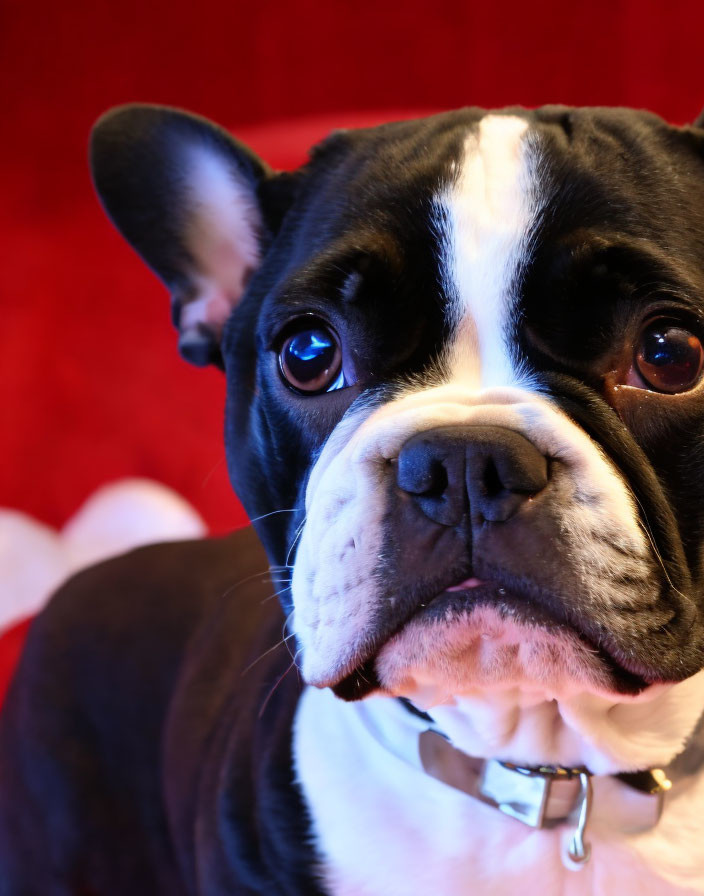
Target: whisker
point(219, 463)
point(359, 672)
point(256, 519)
point(256, 575)
point(298, 534)
point(267, 652)
point(287, 622)
point(645, 526)
point(276, 594)
point(276, 684)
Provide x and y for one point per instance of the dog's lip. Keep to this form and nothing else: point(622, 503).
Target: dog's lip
point(361, 680)
point(474, 591)
point(532, 612)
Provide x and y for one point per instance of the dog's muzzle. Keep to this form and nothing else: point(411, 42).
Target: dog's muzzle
point(443, 508)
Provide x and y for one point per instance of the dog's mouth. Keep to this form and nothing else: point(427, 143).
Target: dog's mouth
point(507, 602)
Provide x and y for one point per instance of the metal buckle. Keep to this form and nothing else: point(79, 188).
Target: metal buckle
point(527, 794)
point(546, 796)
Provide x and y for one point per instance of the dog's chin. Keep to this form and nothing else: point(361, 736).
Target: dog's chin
point(454, 647)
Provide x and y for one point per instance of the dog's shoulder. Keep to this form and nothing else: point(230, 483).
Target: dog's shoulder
point(237, 816)
point(127, 656)
point(128, 619)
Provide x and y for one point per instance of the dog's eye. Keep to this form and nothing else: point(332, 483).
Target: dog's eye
point(669, 358)
point(310, 359)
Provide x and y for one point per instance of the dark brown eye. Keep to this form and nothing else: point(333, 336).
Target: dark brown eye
point(310, 360)
point(669, 357)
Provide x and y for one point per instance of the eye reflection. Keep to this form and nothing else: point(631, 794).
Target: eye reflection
point(669, 358)
point(310, 360)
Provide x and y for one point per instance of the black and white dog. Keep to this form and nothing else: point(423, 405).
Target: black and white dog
point(464, 359)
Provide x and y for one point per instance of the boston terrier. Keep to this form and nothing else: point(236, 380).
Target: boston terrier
point(461, 649)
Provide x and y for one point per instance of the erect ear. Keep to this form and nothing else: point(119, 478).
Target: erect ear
point(699, 122)
point(184, 194)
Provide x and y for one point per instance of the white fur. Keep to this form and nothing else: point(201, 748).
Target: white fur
point(489, 210)
point(385, 828)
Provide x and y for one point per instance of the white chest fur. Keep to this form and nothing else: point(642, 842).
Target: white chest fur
point(385, 828)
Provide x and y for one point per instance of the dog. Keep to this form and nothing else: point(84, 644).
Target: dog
point(460, 649)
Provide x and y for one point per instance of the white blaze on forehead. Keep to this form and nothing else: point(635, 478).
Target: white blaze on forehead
point(487, 212)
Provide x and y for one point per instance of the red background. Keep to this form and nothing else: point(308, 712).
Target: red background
point(91, 387)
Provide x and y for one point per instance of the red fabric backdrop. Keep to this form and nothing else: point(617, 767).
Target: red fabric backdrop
point(91, 387)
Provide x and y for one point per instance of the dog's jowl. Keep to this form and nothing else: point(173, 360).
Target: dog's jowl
point(464, 360)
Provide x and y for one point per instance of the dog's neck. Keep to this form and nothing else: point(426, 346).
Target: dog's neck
point(365, 756)
point(605, 733)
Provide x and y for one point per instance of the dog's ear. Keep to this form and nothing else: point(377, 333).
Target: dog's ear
point(184, 194)
point(699, 121)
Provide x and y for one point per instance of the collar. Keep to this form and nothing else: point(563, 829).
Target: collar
point(549, 796)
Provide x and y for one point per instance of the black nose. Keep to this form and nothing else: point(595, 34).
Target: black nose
point(486, 470)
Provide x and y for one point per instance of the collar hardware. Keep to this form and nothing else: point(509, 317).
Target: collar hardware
point(653, 781)
point(539, 797)
point(579, 851)
point(545, 796)
point(548, 796)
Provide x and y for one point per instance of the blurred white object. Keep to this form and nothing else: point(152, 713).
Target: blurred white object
point(35, 559)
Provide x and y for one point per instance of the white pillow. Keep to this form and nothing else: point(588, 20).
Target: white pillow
point(35, 559)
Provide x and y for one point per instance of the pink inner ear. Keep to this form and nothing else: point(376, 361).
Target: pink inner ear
point(222, 238)
point(208, 310)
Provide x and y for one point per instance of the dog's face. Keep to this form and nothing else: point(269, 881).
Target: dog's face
point(464, 360)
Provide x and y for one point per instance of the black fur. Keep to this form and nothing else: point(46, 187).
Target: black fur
point(145, 742)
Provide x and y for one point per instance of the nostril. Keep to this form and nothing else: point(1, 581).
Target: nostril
point(504, 470)
point(491, 481)
point(431, 472)
point(437, 479)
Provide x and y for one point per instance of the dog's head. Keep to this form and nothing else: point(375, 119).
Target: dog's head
point(465, 403)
